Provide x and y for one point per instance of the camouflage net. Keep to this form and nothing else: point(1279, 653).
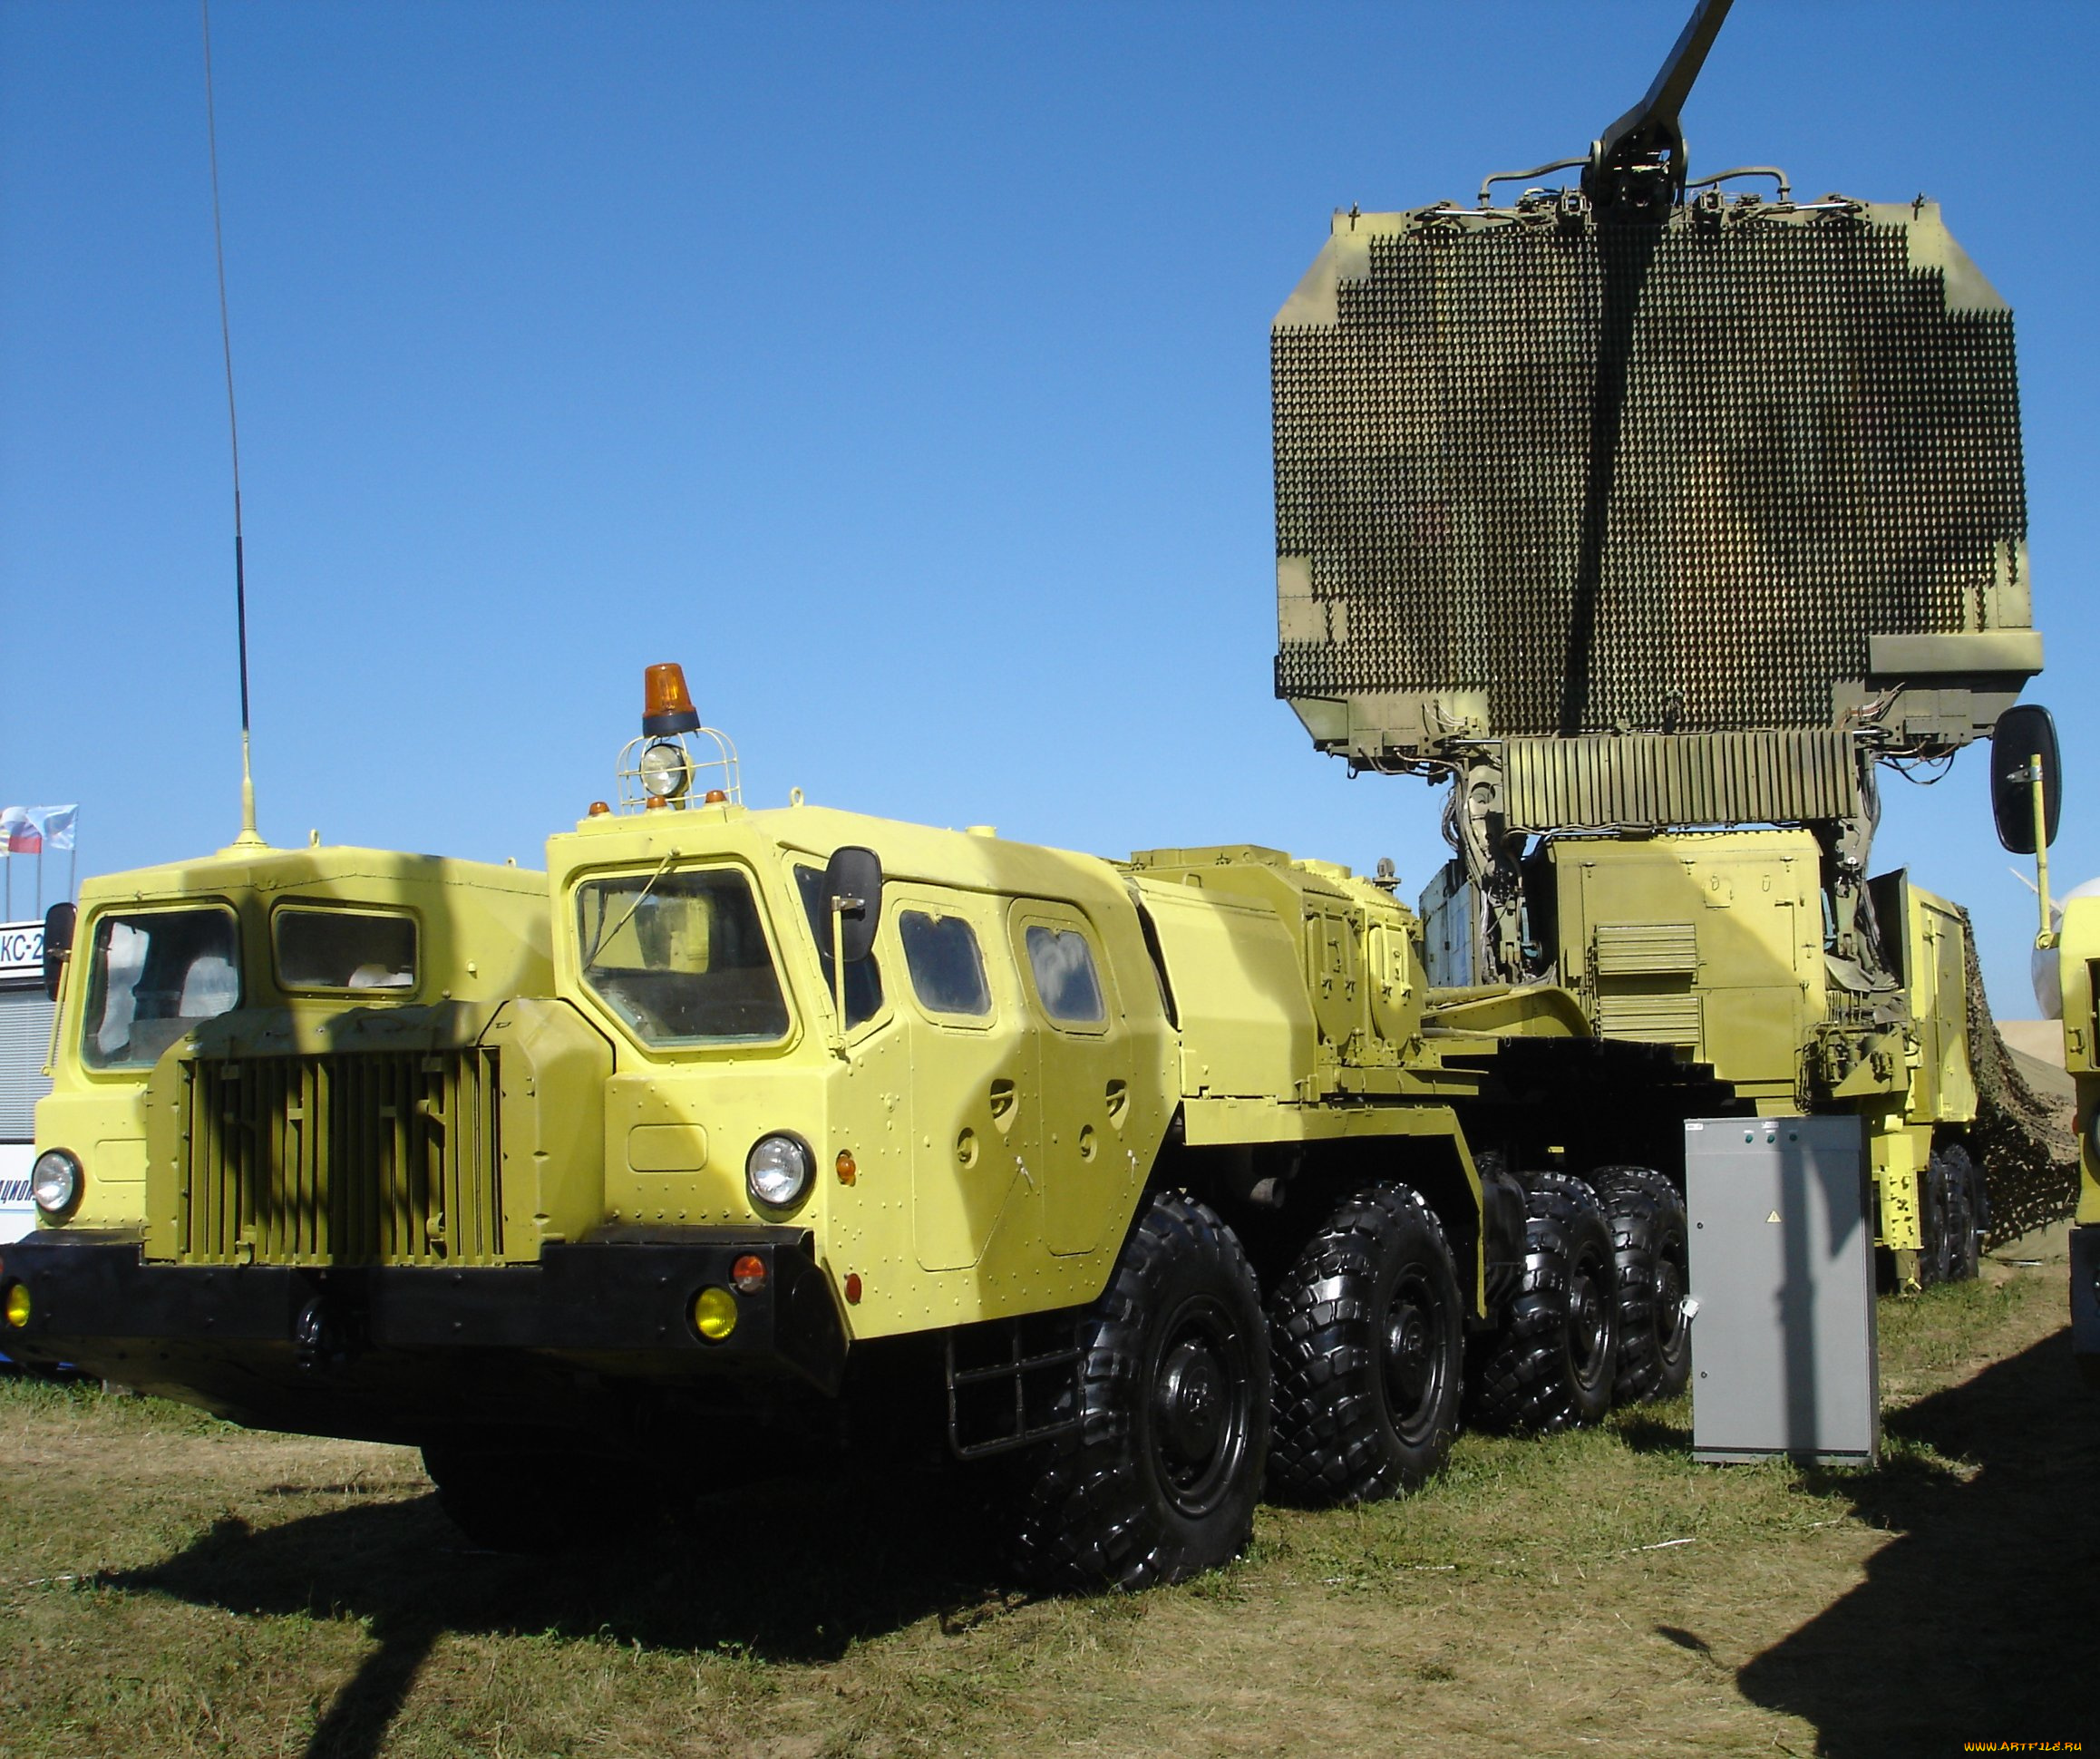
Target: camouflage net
point(2025, 1141)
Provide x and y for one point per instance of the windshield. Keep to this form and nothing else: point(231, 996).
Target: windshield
point(344, 949)
point(681, 957)
point(152, 976)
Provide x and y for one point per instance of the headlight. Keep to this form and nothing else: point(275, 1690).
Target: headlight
point(666, 774)
point(55, 1182)
point(778, 1171)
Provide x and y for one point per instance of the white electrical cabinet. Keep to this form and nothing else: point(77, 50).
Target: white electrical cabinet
point(1784, 1359)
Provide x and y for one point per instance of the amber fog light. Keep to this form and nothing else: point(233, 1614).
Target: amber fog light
point(714, 1314)
point(16, 1306)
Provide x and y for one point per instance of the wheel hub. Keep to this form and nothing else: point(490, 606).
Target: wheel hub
point(1586, 1324)
point(1190, 1402)
point(1410, 1355)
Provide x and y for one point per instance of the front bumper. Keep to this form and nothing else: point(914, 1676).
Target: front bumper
point(620, 1309)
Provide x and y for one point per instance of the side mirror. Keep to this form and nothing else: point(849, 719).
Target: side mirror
point(2023, 733)
point(58, 922)
point(853, 895)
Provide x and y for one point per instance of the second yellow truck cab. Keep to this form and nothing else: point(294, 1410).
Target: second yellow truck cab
point(2079, 966)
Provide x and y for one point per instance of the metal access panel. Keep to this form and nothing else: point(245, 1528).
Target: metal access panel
point(1784, 1351)
point(1449, 913)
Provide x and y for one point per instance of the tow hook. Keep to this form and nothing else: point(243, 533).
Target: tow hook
point(325, 1335)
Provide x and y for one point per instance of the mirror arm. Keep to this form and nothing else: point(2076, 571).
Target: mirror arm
point(840, 904)
point(2038, 794)
point(60, 922)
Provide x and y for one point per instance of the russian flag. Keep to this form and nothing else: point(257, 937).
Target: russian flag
point(31, 829)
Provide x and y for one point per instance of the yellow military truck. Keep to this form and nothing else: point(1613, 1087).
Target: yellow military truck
point(2078, 954)
point(2026, 801)
point(1168, 1177)
point(1168, 1180)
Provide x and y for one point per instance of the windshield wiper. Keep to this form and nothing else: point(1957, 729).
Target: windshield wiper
point(605, 935)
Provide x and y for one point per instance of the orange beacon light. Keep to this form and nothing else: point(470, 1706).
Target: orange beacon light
point(666, 704)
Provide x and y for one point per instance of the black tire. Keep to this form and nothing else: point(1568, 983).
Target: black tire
point(1958, 1179)
point(525, 1497)
point(1651, 1242)
point(1979, 1206)
point(1935, 1224)
point(1159, 1481)
point(1551, 1362)
point(1366, 1339)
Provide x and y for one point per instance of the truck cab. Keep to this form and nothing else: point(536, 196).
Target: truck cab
point(302, 949)
point(961, 1142)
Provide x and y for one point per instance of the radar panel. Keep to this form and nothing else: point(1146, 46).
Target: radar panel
point(1544, 477)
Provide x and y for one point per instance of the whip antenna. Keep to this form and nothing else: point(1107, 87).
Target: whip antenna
point(249, 837)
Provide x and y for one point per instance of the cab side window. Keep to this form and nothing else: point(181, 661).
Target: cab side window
point(864, 978)
point(947, 969)
point(1065, 979)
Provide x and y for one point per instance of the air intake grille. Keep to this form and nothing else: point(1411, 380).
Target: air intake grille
point(1693, 778)
point(378, 1158)
point(1630, 477)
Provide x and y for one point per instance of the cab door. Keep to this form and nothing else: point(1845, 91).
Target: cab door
point(1083, 1062)
point(972, 1122)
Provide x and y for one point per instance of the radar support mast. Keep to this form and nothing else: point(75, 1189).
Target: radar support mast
point(1639, 163)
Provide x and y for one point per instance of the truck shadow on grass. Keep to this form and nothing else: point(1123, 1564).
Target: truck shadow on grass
point(1976, 1624)
point(793, 1571)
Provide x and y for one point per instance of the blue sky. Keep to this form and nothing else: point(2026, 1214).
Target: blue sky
point(902, 370)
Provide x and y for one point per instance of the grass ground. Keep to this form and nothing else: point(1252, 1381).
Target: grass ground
point(170, 1585)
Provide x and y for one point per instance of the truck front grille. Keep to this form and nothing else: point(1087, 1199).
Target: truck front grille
point(371, 1158)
